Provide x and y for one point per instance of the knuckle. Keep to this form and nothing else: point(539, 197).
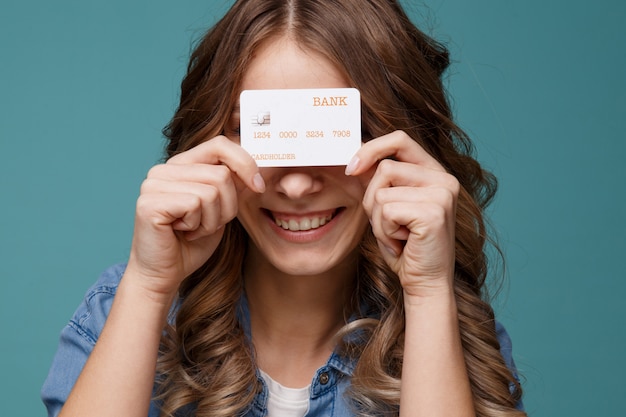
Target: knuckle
point(387, 211)
point(446, 197)
point(402, 137)
point(435, 215)
point(380, 196)
point(385, 166)
point(155, 171)
point(146, 186)
point(452, 184)
point(222, 174)
point(207, 228)
point(219, 141)
point(143, 206)
point(211, 193)
point(195, 204)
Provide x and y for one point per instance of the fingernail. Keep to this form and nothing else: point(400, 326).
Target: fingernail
point(352, 166)
point(258, 182)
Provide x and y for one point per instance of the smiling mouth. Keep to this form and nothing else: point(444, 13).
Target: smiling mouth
point(302, 223)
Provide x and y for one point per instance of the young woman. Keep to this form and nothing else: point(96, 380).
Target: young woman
point(325, 291)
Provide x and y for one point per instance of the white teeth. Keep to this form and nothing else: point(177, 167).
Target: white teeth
point(304, 224)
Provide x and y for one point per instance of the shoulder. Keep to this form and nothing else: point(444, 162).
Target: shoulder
point(91, 314)
point(78, 338)
point(506, 347)
point(506, 350)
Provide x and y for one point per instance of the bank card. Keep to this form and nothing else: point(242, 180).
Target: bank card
point(301, 127)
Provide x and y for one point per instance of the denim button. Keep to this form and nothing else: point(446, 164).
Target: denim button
point(324, 378)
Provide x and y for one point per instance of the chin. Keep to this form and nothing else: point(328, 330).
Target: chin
point(313, 263)
point(303, 269)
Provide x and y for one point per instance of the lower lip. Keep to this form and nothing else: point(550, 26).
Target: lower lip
point(305, 236)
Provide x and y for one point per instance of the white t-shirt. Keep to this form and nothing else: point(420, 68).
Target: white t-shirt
point(286, 402)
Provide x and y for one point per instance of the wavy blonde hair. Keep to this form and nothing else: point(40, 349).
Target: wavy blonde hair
point(206, 359)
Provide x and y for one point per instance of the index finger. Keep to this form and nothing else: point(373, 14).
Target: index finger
point(221, 150)
point(397, 145)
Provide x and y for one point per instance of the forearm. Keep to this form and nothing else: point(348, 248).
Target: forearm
point(118, 378)
point(434, 376)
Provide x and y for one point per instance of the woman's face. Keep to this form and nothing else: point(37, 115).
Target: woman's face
point(310, 219)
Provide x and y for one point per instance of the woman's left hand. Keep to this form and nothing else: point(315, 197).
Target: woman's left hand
point(411, 203)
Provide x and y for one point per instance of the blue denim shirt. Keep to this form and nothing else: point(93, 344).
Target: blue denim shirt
point(80, 335)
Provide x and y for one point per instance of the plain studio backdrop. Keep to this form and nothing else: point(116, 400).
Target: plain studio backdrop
point(86, 86)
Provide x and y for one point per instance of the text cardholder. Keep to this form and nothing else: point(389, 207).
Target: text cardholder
point(302, 127)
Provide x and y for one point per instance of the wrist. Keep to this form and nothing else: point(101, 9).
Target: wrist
point(147, 290)
point(431, 298)
point(431, 290)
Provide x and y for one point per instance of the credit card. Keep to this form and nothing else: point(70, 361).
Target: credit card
point(301, 127)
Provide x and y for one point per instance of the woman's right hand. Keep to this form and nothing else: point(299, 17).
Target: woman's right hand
point(182, 209)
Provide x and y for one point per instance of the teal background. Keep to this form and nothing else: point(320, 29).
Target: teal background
point(85, 88)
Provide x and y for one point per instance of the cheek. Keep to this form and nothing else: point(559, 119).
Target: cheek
point(355, 189)
point(246, 206)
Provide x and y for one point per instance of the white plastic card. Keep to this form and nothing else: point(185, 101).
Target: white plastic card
point(303, 127)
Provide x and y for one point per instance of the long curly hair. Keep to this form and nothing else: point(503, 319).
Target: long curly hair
point(206, 360)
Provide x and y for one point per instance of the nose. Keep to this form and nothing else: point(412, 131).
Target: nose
point(296, 183)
